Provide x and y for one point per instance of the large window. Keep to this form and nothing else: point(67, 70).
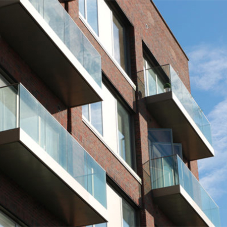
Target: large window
point(124, 134)
point(118, 42)
point(113, 122)
point(89, 10)
point(120, 213)
point(108, 27)
point(153, 83)
point(93, 113)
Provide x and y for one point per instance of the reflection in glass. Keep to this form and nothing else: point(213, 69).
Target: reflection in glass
point(82, 7)
point(8, 108)
point(151, 79)
point(118, 37)
point(93, 113)
point(96, 116)
point(128, 215)
point(85, 111)
point(124, 137)
point(92, 14)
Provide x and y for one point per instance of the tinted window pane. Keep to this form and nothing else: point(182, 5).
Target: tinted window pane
point(151, 80)
point(92, 14)
point(96, 116)
point(160, 85)
point(81, 7)
point(124, 138)
point(85, 111)
point(128, 215)
point(118, 37)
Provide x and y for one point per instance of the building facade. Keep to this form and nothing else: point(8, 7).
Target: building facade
point(98, 127)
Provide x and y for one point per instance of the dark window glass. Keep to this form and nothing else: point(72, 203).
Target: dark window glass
point(129, 215)
point(118, 38)
point(124, 134)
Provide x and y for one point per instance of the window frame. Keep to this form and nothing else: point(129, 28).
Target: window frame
point(85, 16)
point(117, 98)
point(146, 67)
point(89, 120)
point(114, 12)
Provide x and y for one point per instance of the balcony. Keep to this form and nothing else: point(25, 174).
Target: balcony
point(179, 194)
point(49, 41)
point(39, 155)
point(176, 109)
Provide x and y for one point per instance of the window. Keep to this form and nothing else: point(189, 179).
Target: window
point(154, 84)
point(108, 27)
point(93, 113)
point(89, 10)
point(121, 214)
point(124, 131)
point(6, 221)
point(8, 108)
point(128, 215)
point(118, 42)
point(113, 122)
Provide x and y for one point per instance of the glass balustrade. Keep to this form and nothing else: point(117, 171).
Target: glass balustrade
point(152, 87)
point(171, 170)
point(18, 108)
point(70, 34)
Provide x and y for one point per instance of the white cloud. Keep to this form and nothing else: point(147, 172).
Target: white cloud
point(214, 170)
point(208, 67)
point(208, 70)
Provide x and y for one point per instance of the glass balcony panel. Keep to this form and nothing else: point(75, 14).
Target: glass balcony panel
point(160, 135)
point(92, 61)
point(46, 131)
point(177, 149)
point(77, 161)
point(66, 29)
point(8, 108)
point(54, 16)
point(39, 5)
point(164, 172)
point(168, 171)
point(171, 170)
point(160, 86)
point(96, 182)
point(151, 79)
point(74, 39)
point(157, 177)
point(182, 93)
point(161, 149)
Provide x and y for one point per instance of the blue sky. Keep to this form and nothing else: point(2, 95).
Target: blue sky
point(200, 26)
